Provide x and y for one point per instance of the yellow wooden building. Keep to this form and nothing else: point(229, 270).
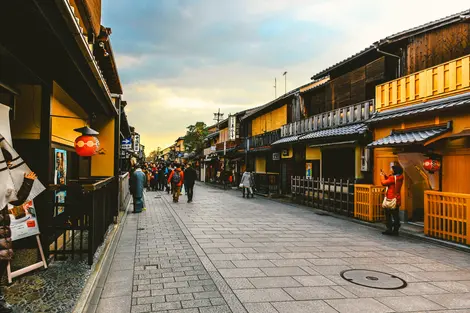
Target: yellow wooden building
point(426, 115)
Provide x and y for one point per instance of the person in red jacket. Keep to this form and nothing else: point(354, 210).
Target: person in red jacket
point(393, 182)
point(176, 180)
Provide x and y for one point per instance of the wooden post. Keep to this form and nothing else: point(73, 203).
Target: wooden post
point(371, 205)
point(334, 194)
point(42, 263)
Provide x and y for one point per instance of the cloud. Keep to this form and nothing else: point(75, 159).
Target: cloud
point(182, 60)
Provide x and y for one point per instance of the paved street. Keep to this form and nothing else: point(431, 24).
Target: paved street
point(224, 253)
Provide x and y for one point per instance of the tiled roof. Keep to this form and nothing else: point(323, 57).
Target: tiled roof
point(435, 105)
point(334, 132)
point(212, 135)
point(454, 18)
point(406, 137)
point(286, 140)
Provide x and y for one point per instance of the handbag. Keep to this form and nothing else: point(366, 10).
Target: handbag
point(240, 186)
point(390, 203)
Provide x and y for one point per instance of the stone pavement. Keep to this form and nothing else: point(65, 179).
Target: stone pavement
point(224, 253)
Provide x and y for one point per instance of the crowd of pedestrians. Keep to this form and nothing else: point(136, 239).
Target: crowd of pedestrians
point(172, 178)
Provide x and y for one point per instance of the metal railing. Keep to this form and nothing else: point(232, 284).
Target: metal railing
point(263, 140)
point(90, 207)
point(368, 202)
point(333, 195)
point(339, 117)
point(447, 216)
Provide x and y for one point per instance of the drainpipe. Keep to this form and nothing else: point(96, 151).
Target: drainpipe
point(391, 55)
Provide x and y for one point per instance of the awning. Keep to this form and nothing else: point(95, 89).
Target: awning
point(464, 133)
point(431, 106)
point(212, 135)
point(416, 136)
point(286, 140)
point(334, 144)
point(355, 129)
point(259, 149)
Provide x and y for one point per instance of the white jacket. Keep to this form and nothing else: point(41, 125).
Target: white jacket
point(247, 180)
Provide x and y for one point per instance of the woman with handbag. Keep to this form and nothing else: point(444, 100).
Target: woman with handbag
point(392, 201)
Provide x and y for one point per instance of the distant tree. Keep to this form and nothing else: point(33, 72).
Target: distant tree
point(194, 139)
point(153, 155)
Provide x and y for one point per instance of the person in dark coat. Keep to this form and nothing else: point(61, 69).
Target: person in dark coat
point(190, 177)
point(138, 181)
point(6, 246)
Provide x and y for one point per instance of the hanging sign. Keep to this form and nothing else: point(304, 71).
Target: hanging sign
point(136, 142)
point(276, 156)
point(126, 144)
point(232, 124)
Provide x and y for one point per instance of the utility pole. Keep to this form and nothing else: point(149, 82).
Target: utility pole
point(217, 117)
point(275, 88)
point(285, 82)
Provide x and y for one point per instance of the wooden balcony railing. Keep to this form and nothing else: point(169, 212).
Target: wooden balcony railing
point(263, 140)
point(368, 202)
point(447, 216)
point(439, 81)
point(339, 117)
point(228, 145)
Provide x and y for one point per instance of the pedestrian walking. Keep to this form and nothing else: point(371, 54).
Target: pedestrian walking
point(6, 247)
point(138, 181)
point(161, 178)
point(247, 183)
point(176, 180)
point(190, 176)
point(392, 201)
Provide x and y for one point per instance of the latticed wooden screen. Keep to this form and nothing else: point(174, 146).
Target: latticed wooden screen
point(368, 202)
point(446, 216)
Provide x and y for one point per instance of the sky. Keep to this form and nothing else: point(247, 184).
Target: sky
point(181, 60)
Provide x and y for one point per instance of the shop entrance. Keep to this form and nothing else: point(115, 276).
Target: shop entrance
point(338, 163)
point(417, 181)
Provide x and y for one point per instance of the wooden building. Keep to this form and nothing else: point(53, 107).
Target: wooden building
point(59, 75)
point(333, 131)
point(425, 115)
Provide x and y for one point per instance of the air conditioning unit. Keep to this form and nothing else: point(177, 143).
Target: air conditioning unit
point(365, 159)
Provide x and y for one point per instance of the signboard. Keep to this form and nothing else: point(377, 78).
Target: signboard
point(276, 156)
point(285, 152)
point(232, 126)
point(126, 144)
point(60, 178)
point(136, 142)
point(23, 221)
point(213, 148)
point(308, 170)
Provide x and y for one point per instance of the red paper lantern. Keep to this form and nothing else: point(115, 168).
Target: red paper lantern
point(431, 165)
point(87, 145)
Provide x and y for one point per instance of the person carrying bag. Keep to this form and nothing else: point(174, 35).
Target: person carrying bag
point(392, 201)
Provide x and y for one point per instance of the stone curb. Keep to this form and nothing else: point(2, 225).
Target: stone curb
point(101, 269)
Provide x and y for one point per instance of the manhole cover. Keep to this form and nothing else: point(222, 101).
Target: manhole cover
point(373, 279)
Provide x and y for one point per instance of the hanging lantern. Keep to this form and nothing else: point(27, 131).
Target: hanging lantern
point(87, 144)
point(431, 165)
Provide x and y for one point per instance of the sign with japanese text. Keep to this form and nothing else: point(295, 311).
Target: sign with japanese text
point(232, 127)
point(136, 142)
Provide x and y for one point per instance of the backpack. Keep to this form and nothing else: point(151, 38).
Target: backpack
point(176, 178)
